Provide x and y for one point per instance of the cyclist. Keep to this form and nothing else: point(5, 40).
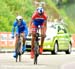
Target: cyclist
point(20, 27)
point(39, 18)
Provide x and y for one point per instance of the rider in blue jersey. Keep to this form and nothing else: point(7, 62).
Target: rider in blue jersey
point(20, 27)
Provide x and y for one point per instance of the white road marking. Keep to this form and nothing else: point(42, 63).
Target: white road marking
point(22, 66)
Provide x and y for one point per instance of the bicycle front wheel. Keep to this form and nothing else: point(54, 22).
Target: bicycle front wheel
point(36, 54)
point(35, 59)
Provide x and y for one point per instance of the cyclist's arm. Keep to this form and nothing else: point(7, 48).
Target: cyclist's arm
point(13, 28)
point(45, 22)
point(31, 21)
point(45, 25)
point(30, 24)
point(26, 28)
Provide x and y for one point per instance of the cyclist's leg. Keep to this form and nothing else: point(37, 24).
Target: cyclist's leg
point(43, 30)
point(33, 39)
point(24, 39)
point(16, 41)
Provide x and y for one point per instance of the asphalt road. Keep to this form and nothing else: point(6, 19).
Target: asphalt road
point(45, 61)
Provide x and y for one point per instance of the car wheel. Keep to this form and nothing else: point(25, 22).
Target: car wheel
point(55, 48)
point(69, 49)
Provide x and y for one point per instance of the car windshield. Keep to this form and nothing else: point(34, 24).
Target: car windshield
point(51, 30)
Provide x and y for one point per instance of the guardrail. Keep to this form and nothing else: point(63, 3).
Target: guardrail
point(73, 40)
point(7, 42)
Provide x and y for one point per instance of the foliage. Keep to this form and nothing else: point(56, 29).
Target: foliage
point(67, 12)
point(9, 9)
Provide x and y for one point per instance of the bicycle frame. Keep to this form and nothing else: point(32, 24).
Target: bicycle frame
point(19, 48)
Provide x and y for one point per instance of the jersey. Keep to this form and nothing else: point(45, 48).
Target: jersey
point(20, 28)
point(37, 19)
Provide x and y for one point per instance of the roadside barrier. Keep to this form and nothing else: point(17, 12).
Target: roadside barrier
point(6, 41)
point(73, 40)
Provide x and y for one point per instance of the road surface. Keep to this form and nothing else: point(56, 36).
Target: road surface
point(45, 61)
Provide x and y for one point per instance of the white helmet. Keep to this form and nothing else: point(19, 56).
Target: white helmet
point(40, 10)
point(19, 18)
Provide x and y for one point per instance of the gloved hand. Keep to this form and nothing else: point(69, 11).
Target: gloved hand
point(29, 34)
point(12, 37)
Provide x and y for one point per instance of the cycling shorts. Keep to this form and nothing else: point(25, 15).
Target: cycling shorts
point(34, 27)
point(18, 33)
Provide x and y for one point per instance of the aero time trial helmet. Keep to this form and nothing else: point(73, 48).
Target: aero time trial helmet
point(18, 18)
point(40, 10)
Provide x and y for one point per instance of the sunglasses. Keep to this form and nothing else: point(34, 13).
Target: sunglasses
point(19, 20)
